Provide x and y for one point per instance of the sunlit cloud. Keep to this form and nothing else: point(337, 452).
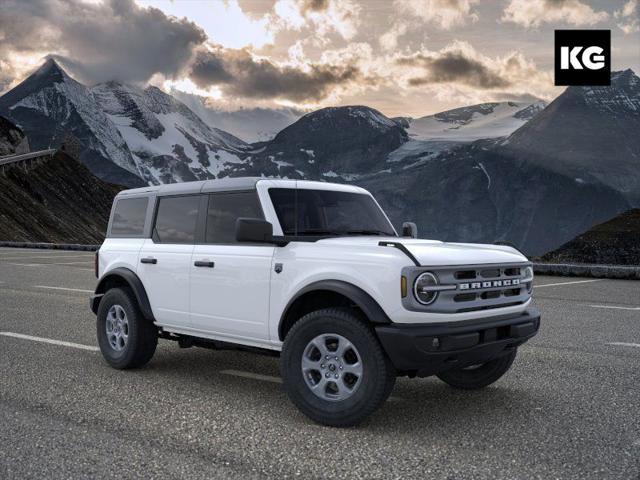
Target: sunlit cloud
point(532, 13)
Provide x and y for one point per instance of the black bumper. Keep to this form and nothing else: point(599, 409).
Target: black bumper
point(425, 350)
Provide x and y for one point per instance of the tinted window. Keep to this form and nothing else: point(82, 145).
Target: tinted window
point(128, 217)
point(328, 212)
point(176, 219)
point(225, 209)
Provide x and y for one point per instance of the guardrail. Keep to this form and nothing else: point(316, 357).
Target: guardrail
point(25, 158)
point(50, 246)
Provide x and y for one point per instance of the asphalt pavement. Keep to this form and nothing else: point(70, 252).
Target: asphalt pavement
point(569, 408)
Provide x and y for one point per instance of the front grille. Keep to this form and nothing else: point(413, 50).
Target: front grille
point(473, 287)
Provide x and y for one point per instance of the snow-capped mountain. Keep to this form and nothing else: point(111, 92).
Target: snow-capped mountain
point(49, 105)
point(129, 135)
point(334, 143)
point(466, 124)
point(250, 124)
point(167, 140)
point(573, 165)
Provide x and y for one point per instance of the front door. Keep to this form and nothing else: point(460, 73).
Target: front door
point(230, 280)
point(165, 259)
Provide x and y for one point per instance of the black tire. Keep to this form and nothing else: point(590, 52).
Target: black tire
point(378, 376)
point(142, 333)
point(473, 378)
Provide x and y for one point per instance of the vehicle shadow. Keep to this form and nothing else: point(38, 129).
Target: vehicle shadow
point(421, 403)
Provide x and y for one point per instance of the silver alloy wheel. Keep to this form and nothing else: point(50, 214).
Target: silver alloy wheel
point(117, 326)
point(332, 367)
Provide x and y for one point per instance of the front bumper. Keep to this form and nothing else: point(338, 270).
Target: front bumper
point(425, 350)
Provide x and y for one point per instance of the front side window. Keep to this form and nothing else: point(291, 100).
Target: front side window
point(328, 212)
point(176, 219)
point(225, 209)
point(129, 216)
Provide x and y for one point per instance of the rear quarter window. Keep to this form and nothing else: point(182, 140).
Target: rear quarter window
point(128, 217)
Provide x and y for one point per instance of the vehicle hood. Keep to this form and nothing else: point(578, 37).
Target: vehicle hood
point(437, 253)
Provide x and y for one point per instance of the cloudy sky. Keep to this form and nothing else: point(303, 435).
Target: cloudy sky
point(404, 57)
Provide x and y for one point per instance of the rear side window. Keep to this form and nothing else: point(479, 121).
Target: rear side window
point(176, 219)
point(129, 216)
point(225, 209)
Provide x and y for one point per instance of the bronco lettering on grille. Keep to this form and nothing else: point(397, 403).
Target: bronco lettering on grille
point(491, 284)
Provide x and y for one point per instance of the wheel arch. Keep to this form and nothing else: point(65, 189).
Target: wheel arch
point(123, 277)
point(329, 293)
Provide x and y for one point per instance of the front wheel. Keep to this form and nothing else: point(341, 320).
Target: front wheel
point(479, 376)
point(334, 369)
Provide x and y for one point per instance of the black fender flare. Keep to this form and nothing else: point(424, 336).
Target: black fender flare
point(133, 281)
point(365, 302)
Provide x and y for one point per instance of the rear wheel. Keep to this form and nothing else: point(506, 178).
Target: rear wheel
point(126, 338)
point(479, 376)
point(334, 369)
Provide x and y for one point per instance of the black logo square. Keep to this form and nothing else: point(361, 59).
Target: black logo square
point(583, 57)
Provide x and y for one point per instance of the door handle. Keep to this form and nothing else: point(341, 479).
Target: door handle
point(149, 260)
point(204, 263)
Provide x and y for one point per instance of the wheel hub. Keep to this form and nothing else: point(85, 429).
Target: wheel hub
point(117, 327)
point(332, 367)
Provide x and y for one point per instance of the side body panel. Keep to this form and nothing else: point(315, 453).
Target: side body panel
point(231, 299)
point(167, 281)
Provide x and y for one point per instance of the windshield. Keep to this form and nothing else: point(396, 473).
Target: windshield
point(328, 212)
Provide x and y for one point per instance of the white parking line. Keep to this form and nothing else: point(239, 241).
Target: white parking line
point(29, 257)
point(614, 307)
point(50, 341)
point(63, 288)
point(50, 265)
point(253, 376)
point(567, 283)
point(623, 344)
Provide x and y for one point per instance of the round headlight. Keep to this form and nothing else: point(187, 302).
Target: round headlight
point(528, 273)
point(421, 289)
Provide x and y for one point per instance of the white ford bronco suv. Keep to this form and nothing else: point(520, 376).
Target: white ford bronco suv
point(315, 273)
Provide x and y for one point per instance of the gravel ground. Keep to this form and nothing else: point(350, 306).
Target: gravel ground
point(569, 408)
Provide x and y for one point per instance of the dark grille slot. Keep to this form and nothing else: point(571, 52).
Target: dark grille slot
point(503, 332)
point(492, 273)
point(464, 297)
point(512, 292)
point(512, 272)
point(465, 274)
point(489, 295)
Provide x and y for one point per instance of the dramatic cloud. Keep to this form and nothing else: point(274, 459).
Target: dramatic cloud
point(459, 70)
point(389, 40)
point(532, 13)
point(110, 40)
point(443, 13)
point(323, 17)
point(627, 17)
point(239, 73)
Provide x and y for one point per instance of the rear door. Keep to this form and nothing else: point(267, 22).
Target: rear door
point(165, 259)
point(230, 280)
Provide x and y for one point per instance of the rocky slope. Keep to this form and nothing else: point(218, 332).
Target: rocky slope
point(616, 242)
point(12, 140)
point(57, 201)
point(590, 134)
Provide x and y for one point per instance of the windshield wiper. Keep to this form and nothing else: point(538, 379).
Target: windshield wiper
point(315, 231)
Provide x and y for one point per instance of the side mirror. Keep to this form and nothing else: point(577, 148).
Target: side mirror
point(254, 230)
point(409, 229)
